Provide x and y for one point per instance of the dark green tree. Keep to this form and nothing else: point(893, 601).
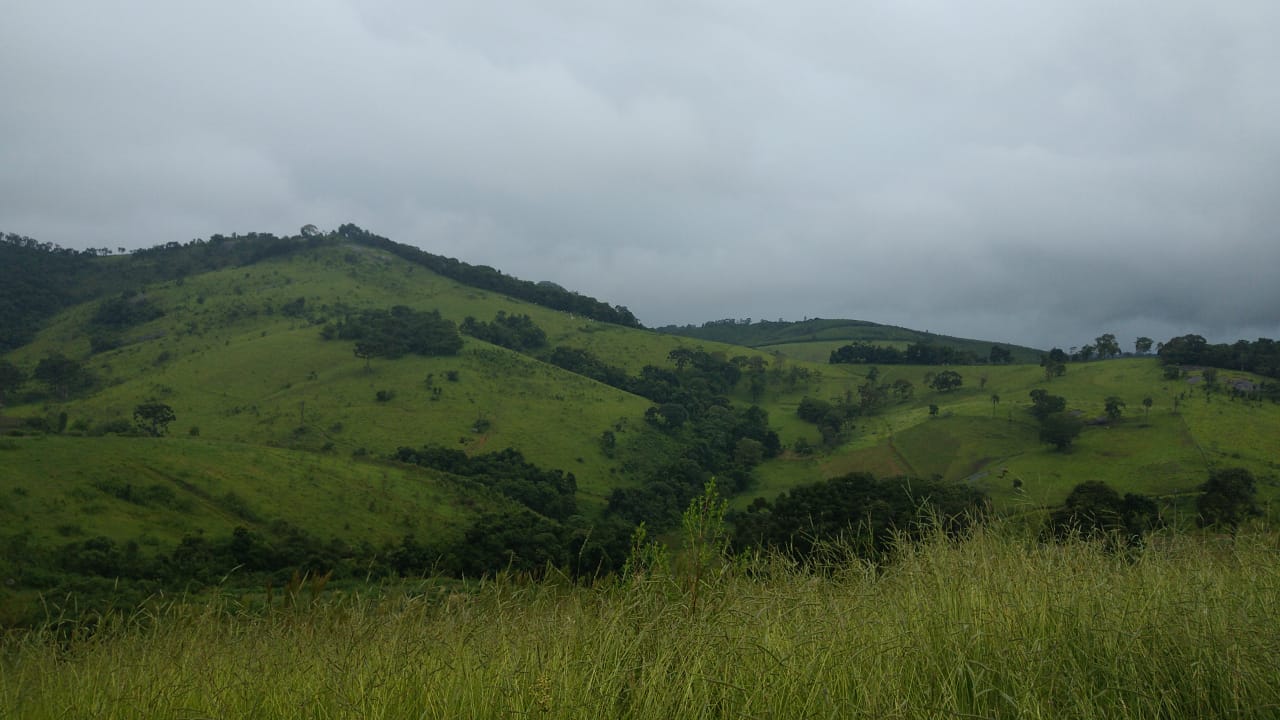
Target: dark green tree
point(11, 378)
point(1060, 429)
point(946, 381)
point(1142, 345)
point(60, 373)
point(1000, 355)
point(1114, 407)
point(1146, 407)
point(153, 418)
point(1107, 346)
point(1043, 404)
point(1227, 499)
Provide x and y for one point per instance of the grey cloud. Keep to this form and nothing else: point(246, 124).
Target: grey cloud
point(1036, 173)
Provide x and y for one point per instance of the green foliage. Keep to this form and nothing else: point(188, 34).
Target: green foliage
point(1227, 498)
point(62, 374)
point(154, 418)
point(1093, 509)
point(946, 381)
point(397, 332)
point(1114, 407)
point(1043, 404)
point(126, 310)
point(706, 541)
point(1261, 356)
point(515, 332)
point(923, 353)
point(11, 378)
point(855, 513)
point(1106, 345)
point(1060, 429)
point(549, 492)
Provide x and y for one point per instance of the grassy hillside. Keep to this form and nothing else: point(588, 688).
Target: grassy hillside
point(156, 491)
point(242, 375)
point(238, 355)
point(991, 445)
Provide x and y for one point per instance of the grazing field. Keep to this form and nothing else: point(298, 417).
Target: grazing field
point(993, 627)
point(156, 491)
point(1163, 451)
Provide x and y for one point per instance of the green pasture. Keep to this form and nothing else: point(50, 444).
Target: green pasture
point(975, 440)
point(155, 491)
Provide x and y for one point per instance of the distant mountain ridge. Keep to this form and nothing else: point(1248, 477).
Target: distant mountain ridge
point(768, 334)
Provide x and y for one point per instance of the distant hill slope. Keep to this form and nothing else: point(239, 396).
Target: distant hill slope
point(813, 339)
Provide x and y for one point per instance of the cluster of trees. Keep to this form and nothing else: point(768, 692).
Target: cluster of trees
point(515, 332)
point(1261, 356)
point(61, 375)
point(1094, 509)
point(481, 276)
point(396, 332)
point(1057, 427)
point(855, 513)
point(37, 280)
point(923, 353)
point(551, 493)
point(126, 310)
point(699, 431)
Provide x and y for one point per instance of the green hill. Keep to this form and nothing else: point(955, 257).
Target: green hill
point(286, 428)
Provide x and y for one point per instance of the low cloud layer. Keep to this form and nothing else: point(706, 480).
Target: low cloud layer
point(1037, 173)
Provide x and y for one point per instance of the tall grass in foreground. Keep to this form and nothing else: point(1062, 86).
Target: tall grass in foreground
point(992, 627)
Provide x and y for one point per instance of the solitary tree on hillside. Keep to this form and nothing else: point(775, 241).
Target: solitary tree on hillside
point(995, 400)
point(946, 381)
point(153, 418)
point(1114, 407)
point(1142, 345)
point(1146, 407)
point(364, 350)
point(1060, 429)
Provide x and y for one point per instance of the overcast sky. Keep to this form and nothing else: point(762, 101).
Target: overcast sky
point(1031, 172)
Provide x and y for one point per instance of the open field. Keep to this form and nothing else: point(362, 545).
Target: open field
point(155, 491)
point(994, 627)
